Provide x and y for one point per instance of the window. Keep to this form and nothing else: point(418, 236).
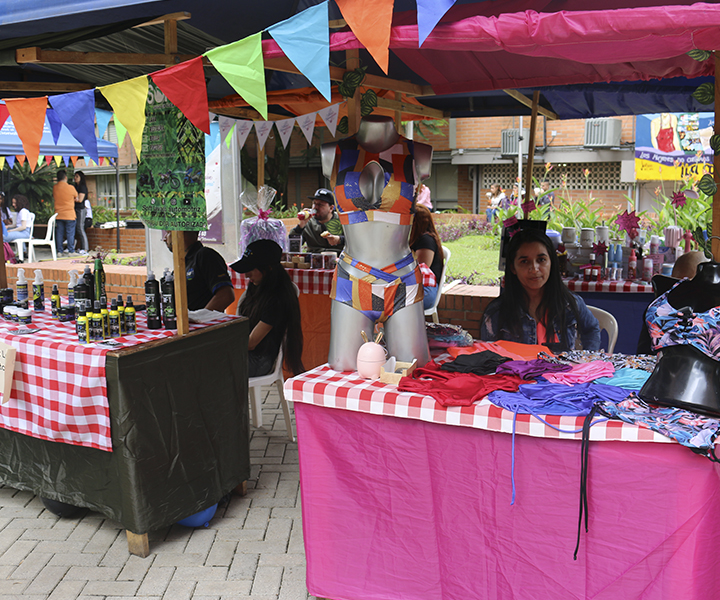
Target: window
point(106, 191)
point(443, 184)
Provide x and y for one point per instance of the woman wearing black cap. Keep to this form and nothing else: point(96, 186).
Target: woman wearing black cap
point(271, 305)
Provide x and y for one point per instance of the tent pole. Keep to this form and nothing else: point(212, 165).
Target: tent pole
point(531, 150)
point(715, 243)
point(352, 62)
point(117, 202)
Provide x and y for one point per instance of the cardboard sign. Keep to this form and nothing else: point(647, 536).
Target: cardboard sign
point(7, 368)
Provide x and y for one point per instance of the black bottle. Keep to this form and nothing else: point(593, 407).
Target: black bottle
point(89, 280)
point(168, 302)
point(152, 302)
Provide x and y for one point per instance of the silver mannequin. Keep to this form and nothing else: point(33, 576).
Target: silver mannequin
point(377, 244)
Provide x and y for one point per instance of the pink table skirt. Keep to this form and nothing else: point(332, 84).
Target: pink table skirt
point(405, 509)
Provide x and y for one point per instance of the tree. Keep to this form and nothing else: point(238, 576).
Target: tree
point(35, 185)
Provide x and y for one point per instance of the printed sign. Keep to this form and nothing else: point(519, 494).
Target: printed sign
point(171, 171)
point(7, 368)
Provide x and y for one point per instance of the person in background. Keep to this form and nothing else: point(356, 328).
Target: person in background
point(80, 211)
point(64, 196)
point(322, 231)
point(426, 246)
point(4, 211)
point(535, 306)
point(544, 196)
point(19, 230)
point(208, 281)
point(271, 304)
point(495, 196)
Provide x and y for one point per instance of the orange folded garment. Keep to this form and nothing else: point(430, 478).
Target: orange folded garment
point(513, 350)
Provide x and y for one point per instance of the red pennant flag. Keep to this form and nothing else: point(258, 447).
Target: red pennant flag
point(370, 21)
point(184, 85)
point(48, 160)
point(102, 160)
point(20, 158)
point(28, 115)
point(4, 114)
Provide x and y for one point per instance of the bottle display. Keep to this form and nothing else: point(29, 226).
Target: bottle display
point(99, 277)
point(71, 286)
point(38, 291)
point(89, 281)
point(152, 302)
point(114, 319)
point(130, 317)
point(632, 265)
point(82, 327)
point(22, 286)
point(96, 326)
point(54, 301)
point(106, 317)
point(168, 302)
point(121, 313)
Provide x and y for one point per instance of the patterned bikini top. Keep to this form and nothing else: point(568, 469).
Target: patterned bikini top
point(669, 326)
point(396, 205)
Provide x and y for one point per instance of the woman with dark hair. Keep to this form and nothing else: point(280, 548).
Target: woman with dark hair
point(81, 211)
point(426, 246)
point(4, 211)
point(271, 304)
point(535, 306)
point(21, 206)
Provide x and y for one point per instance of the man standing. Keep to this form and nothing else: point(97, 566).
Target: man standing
point(323, 231)
point(64, 196)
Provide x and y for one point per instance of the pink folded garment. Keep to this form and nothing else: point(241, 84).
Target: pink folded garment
point(583, 373)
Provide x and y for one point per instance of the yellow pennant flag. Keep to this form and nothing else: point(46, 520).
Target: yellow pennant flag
point(2, 163)
point(241, 64)
point(58, 160)
point(128, 101)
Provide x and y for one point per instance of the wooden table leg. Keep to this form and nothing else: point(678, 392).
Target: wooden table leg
point(241, 488)
point(138, 544)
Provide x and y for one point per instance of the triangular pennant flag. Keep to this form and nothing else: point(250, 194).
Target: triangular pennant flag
point(429, 13)
point(55, 124)
point(243, 129)
point(77, 112)
point(263, 129)
point(128, 101)
point(28, 115)
point(285, 129)
point(307, 124)
point(41, 160)
point(103, 120)
point(48, 160)
point(184, 85)
point(86, 159)
point(11, 161)
point(370, 21)
point(2, 163)
point(329, 116)
point(121, 132)
point(20, 158)
point(241, 64)
point(305, 40)
point(4, 114)
point(74, 160)
point(65, 159)
point(226, 125)
point(102, 161)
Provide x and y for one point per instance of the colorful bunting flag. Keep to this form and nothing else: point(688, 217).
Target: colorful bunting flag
point(429, 13)
point(285, 129)
point(74, 160)
point(20, 158)
point(11, 161)
point(329, 116)
point(103, 120)
point(128, 101)
point(184, 85)
point(307, 125)
point(65, 159)
point(226, 125)
point(77, 112)
point(243, 129)
point(28, 115)
point(55, 123)
point(2, 163)
point(241, 64)
point(263, 129)
point(41, 160)
point(370, 21)
point(48, 160)
point(4, 114)
point(305, 40)
point(120, 131)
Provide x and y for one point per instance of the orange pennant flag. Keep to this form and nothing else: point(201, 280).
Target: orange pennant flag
point(20, 158)
point(28, 115)
point(370, 21)
point(74, 160)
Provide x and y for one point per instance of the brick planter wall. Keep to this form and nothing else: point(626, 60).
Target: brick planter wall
point(131, 240)
point(464, 305)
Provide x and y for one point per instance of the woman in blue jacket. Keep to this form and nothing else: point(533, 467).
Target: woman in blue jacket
point(535, 306)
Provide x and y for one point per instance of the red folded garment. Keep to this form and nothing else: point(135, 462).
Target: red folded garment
point(456, 389)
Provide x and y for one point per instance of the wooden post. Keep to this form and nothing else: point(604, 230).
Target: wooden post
point(138, 544)
point(715, 243)
point(3, 270)
point(531, 150)
point(352, 59)
point(398, 115)
point(260, 166)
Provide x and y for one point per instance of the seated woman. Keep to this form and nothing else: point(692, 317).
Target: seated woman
point(20, 229)
point(496, 197)
point(427, 248)
point(535, 306)
point(271, 304)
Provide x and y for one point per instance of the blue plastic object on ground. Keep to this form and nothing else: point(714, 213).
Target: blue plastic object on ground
point(200, 519)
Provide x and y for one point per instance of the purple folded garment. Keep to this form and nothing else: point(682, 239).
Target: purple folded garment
point(530, 369)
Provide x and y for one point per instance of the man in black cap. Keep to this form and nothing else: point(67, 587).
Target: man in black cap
point(322, 231)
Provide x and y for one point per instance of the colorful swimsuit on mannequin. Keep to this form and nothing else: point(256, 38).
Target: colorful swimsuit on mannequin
point(669, 326)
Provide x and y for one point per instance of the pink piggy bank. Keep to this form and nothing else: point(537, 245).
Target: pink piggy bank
point(370, 358)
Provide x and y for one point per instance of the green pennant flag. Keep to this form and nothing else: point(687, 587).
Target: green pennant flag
point(241, 64)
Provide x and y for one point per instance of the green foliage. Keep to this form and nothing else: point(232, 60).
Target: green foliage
point(368, 101)
point(36, 186)
point(431, 127)
point(705, 93)
point(707, 185)
point(102, 214)
point(351, 81)
point(699, 55)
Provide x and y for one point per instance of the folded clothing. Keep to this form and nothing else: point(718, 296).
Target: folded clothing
point(630, 379)
point(582, 373)
point(530, 369)
point(479, 363)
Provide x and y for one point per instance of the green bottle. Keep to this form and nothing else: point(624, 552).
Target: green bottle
point(99, 280)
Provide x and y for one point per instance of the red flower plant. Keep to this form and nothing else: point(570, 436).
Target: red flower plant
point(678, 199)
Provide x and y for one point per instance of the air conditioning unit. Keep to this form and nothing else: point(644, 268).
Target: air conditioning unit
point(509, 142)
point(602, 133)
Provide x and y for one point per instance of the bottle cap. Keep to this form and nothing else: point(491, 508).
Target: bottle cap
point(55, 289)
point(151, 276)
point(113, 304)
point(21, 276)
point(38, 276)
point(96, 306)
point(73, 277)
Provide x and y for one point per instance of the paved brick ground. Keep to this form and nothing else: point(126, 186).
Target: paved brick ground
point(253, 548)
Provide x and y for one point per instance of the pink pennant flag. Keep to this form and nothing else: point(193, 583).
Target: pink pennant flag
point(48, 160)
point(243, 130)
point(285, 129)
point(329, 116)
point(263, 129)
point(307, 125)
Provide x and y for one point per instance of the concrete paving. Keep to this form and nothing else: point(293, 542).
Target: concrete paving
point(253, 548)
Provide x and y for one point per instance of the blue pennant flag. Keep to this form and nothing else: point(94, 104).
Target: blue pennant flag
point(10, 161)
point(55, 123)
point(429, 13)
point(103, 119)
point(305, 40)
point(77, 112)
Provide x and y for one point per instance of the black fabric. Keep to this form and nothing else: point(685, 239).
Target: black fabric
point(479, 363)
point(206, 272)
point(427, 242)
point(263, 356)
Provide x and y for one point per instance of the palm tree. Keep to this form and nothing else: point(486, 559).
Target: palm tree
point(36, 185)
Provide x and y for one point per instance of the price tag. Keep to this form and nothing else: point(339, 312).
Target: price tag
point(7, 368)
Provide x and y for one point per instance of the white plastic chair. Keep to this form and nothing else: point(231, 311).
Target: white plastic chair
point(19, 242)
point(608, 323)
point(276, 377)
point(48, 240)
point(432, 311)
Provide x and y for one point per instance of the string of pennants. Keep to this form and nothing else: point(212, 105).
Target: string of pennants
point(304, 38)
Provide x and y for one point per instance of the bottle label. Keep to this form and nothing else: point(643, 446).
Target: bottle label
point(54, 305)
point(38, 297)
point(114, 326)
point(22, 291)
point(151, 305)
point(168, 306)
point(130, 324)
point(81, 327)
point(96, 332)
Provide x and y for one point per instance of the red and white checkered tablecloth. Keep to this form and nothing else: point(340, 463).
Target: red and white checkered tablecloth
point(348, 391)
point(637, 287)
point(310, 281)
point(59, 389)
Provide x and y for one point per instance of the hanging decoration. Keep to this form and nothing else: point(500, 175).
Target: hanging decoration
point(329, 116)
point(285, 129)
point(77, 112)
point(370, 21)
point(307, 125)
point(226, 127)
point(55, 123)
point(184, 86)
point(429, 13)
point(103, 120)
point(128, 101)
point(263, 129)
point(28, 115)
point(243, 129)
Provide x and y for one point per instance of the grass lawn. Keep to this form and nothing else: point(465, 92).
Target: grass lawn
point(474, 259)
